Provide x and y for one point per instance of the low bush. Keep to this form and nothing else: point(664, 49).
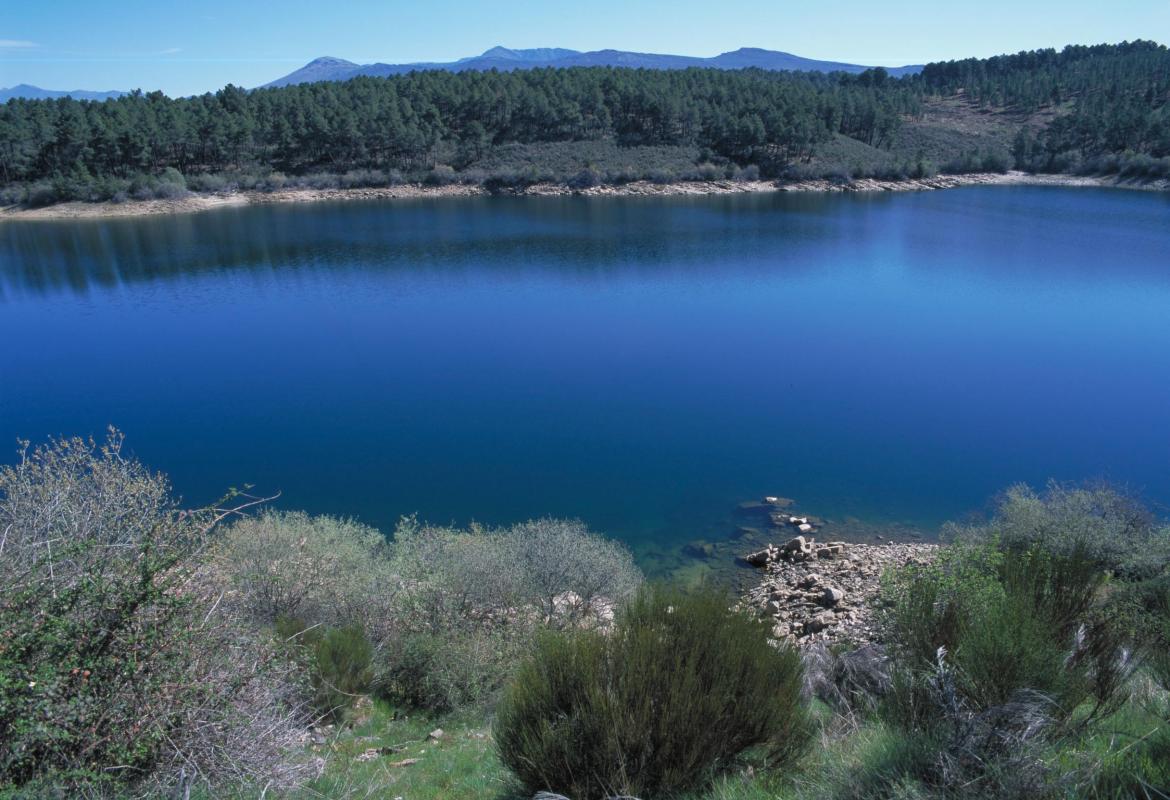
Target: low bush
point(706, 172)
point(370, 178)
point(677, 692)
point(472, 601)
point(585, 179)
point(172, 177)
point(342, 669)
point(1108, 526)
point(802, 172)
point(207, 182)
point(1004, 657)
point(119, 667)
point(992, 160)
point(506, 181)
point(544, 571)
point(1127, 166)
point(661, 176)
point(441, 672)
point(319, 180)
point(1003, 622)
point(43, 193)
point(12, 194)
point(441, 175)
point(851, 682)
point(322, 570)
point(749, 173)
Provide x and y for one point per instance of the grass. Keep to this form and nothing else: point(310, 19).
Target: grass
point(461, 764)
point(872, 761)
point(1130, 751)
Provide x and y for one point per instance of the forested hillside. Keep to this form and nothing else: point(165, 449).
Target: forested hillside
point(1101, 108)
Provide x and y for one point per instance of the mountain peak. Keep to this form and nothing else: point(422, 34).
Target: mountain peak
point(527, 54)
point(330, 61)
point(325, 68)
point(755, 51)
point(500, 52)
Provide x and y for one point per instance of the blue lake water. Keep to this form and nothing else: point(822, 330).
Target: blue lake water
point(643, 364)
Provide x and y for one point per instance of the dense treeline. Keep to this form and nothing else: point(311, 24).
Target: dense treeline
point(403, 122)
point(1034, 79)
point(1114, 99)
point(1105, 100)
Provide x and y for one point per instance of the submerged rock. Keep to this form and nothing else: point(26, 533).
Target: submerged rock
point(779, 502)
point(700, 549)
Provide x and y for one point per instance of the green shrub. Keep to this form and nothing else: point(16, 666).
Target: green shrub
point(43, 193)
point(173, 177)
point(471, 602)
point(567, 573)
point(322, 570)
point(342, 662)
point(544, 571)
point(207, 182)
point(1113, 529)
point(585, 179)
point(679, 690)
point(1159, 638)
point(440, 672)
point(118, 663)
point(998, 623)
point(660, 176)
point(441, 175)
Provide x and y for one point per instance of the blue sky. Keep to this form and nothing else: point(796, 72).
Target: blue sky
point(190, 47)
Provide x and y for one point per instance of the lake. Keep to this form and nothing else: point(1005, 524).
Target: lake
point(641, 363)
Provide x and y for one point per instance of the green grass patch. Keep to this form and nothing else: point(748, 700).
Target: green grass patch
point(405, 762)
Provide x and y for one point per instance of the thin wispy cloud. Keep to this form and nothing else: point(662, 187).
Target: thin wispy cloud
point(170, 51)
point(16, 44)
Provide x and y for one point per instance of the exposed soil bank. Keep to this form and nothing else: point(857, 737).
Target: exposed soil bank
point(204, 202)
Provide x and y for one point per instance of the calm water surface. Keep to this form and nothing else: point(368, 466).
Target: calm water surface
point(643, 364)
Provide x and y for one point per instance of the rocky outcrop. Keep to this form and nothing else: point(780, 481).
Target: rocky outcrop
point(796, 550)
point(826, 592)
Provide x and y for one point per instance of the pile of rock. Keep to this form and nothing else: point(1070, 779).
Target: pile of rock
point(826, 592)
point(796, 550)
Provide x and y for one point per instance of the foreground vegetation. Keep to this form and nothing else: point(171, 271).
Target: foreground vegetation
point(233, 651)
point(1083, 109)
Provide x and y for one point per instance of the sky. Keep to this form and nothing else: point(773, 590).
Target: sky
point(191, 47)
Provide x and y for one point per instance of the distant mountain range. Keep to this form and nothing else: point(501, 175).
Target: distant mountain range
point(37, 93)
point(328, 68)
point(501, 58)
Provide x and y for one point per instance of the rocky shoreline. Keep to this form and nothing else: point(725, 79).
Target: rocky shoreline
point(204, 202)
point(824, 593)
point(832, 599)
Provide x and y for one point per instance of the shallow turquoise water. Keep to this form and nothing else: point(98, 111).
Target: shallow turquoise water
point(643, 364)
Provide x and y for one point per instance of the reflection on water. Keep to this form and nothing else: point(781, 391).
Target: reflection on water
point(559, 233)
point(641, 363)
point(505, 233)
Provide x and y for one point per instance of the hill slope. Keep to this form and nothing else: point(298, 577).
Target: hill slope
point(1100, 109)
